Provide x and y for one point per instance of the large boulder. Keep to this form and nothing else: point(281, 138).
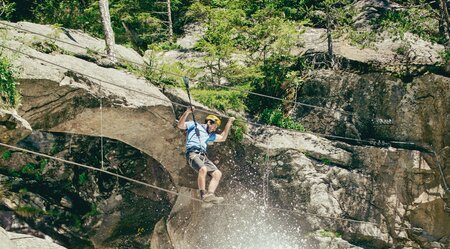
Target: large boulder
point(10, 240)
point(51, 39)
point(12, 127)
point(102, 117)
point(75, 96)
point(78, 207)
point(383, 52)
point(380, 197)
point(395, 189)
point(379, 106)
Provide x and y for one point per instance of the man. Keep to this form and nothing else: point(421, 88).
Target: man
point(196, 151)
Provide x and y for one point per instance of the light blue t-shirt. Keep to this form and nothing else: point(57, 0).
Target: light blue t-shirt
point(192, 141)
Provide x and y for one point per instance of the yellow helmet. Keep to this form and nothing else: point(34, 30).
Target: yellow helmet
point(213, 118)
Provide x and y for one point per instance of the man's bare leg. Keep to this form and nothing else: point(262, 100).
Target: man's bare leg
point(216, 175)
point(201, 180)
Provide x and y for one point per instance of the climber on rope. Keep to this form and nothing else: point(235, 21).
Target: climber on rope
point(198, 137)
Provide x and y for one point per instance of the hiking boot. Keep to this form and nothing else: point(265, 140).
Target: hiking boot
point(212, 198)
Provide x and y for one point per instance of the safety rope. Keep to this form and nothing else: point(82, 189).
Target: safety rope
point(328, 136)
point(177, 193)
point(169, 191)
point(97, 169)
point(101, 126)
point(197, 131)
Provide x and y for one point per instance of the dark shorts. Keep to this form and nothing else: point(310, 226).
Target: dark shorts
point(197, 160)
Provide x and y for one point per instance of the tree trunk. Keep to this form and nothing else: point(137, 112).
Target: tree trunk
point(219, 71)
point(169, 16)
point(134, 38)
point(107, 29)
point(444, 18)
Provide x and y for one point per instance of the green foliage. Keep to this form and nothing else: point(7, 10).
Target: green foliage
point(222, 100)
point(238, 130)
point(6, 154)
point(270, 34)
point(75, 221)
point(167, 73)
point(92, 212)
point(34, 170)
point(47, 47)
point(445, 56)
point(42, 164)
point(218, 41)
point(28, 168)
point(141, 23)
point(243, 75)
point(279, 80)
point(23, 191)
point(7, 7)
point(164, 46)
point(140, 231)
point(330, 234)
point(270, 39)
point(362, 39)
point(56, 148)
point(29, 211)
point(197, 12)
point(136, 23)
point(417, 20)
point(82, 179)
point(8, 85)
point(277, 118)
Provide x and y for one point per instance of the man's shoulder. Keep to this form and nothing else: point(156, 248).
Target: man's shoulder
point(189, 124)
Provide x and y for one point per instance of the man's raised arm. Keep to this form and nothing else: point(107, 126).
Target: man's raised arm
point(182, 121)
point(223, 136)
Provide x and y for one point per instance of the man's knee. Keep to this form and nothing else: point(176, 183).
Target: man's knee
point(217, 174)
point(202, 171)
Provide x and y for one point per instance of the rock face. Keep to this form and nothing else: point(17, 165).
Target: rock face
point(70, 95)
point(13, 127)
point(60, 99)
point(72, 42)
point(22, 241)
point(78, 207)
point(379, 198)
point(283, 189)
point(382, 108)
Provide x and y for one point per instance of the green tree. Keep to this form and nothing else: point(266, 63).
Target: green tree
point(332, 15)
point(8, 85)
point(6, 9)
point(421, 17)
point(138, 23)
point(270, 39)
point(219, 39)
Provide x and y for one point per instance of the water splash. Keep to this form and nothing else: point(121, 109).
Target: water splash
point(248, 226)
